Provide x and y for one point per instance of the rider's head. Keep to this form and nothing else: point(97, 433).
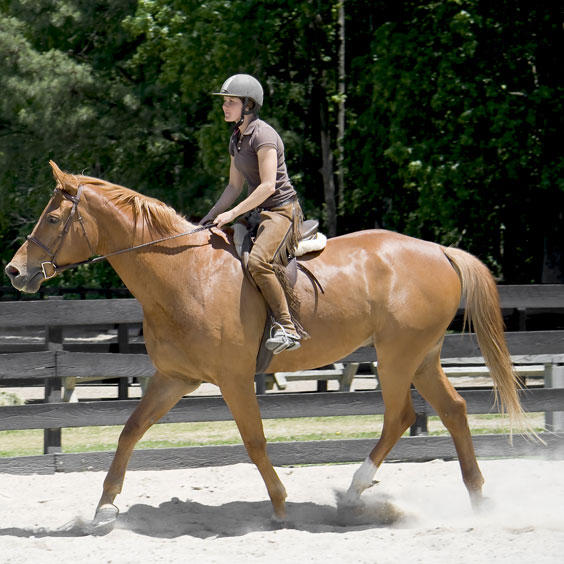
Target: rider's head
point(247, 89)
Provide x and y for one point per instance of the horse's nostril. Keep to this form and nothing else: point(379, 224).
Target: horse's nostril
point(11, 271)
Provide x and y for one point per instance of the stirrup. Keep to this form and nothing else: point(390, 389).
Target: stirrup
point(281, 340)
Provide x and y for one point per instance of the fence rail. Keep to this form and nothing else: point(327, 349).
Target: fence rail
point(273, 406)
point(9, 293)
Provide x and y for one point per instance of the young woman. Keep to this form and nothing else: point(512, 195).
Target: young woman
point(257, 158)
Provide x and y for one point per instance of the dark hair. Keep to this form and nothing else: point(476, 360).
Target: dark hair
point(250, 103)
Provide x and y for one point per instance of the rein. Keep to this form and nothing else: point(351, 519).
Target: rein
point(127, 250)
point(50, 269)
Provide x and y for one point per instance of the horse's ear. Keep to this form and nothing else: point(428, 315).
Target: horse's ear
point(67, 182)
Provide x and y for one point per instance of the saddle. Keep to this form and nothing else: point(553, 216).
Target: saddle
point(310, 240)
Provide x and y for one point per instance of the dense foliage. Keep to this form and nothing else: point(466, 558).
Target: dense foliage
point(453, 111)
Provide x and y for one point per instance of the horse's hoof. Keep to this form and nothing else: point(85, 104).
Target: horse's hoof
point(105, 519)
point(481, 504)
point(277, 523)
point(350, 508)
point(349, 502)
point(279, 516)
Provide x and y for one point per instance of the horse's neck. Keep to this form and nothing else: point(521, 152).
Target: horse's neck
point(140, 270)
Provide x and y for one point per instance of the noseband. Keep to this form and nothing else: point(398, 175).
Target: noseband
point(49, 268)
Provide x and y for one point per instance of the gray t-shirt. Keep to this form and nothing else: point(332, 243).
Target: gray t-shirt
point(244, 148)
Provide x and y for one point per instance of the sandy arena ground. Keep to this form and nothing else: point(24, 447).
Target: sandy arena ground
point(418, 513)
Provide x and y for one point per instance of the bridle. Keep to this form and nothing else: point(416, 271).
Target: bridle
point(50, 269)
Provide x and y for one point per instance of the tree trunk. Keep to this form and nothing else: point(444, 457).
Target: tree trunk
point(553, 256)
point(327, 170)
point(341, 114)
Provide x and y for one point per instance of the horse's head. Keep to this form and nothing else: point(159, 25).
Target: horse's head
point(59, 238)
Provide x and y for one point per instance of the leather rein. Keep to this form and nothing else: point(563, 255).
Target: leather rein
point(50, 269)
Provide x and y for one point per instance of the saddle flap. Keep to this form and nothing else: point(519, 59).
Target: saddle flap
point(309, 229)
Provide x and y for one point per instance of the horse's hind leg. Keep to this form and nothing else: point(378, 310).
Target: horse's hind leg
point(161, 395)
point(395, 372)
point(242, 401)
point(434, 386)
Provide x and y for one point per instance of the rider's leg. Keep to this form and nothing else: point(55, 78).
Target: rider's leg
point(272, 236)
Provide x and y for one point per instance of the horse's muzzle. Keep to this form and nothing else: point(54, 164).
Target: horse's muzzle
point(23, 280)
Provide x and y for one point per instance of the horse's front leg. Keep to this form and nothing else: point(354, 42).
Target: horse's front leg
point(242, 401)
point(161, 395)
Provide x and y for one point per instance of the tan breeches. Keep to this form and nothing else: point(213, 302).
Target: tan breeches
point(273, 232)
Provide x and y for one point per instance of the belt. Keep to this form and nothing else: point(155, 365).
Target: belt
point(292, 198)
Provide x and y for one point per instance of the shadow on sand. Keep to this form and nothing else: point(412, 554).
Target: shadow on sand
point(176, 518)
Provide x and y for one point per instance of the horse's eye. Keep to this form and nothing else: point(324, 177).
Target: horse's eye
point(53, 219)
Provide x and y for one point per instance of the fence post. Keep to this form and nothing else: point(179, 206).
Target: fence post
point(52, 437)
point(420, 425)
point(554, 378)
point(52, 442)
point(123, 348)
point(260, 383)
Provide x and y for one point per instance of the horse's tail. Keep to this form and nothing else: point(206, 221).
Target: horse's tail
point(483, 314)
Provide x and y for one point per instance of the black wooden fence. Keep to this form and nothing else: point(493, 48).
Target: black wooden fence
point(57, 360)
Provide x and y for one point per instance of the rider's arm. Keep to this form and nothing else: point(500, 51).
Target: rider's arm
point(230, 194)
point(268, 164)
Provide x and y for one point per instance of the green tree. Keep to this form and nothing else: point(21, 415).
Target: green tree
point(71, 94)
point(289, 46)
point(456, 144)
point(453, 112)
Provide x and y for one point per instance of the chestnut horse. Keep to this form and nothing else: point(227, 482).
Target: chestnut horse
point(203, 320)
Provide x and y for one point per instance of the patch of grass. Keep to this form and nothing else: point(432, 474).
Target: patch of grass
point(21, 443)
point(9, 398)
point(169, 435)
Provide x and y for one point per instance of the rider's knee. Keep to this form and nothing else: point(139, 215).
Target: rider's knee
point(257, 264)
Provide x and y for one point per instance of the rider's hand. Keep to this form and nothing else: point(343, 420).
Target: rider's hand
point(224, 218)
point(207, 219)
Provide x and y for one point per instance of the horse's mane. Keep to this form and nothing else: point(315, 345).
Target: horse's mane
point(159, 218)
